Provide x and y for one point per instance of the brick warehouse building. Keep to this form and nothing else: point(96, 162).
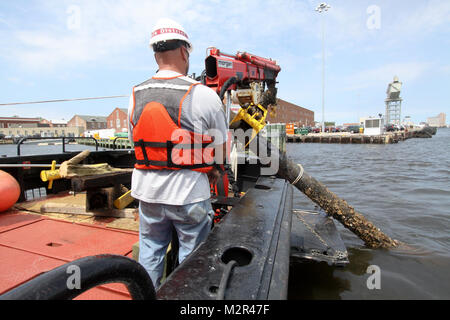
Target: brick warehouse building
point(118, 120)
point(88, 122)
point(35, 127)
point(287, 112)
point(19, 122)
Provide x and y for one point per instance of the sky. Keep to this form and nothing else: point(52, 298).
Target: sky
point(57, 49)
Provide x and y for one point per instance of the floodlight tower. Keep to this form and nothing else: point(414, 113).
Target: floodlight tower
point(393, 102)
point(321, 8)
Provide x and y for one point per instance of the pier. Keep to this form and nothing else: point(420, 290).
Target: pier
point(117, 143)
point(346, 137)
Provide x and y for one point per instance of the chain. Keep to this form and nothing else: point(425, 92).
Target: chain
point(299, 215)
point(340, 255)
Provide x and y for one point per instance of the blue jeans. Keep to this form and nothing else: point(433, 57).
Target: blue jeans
point(191, 221)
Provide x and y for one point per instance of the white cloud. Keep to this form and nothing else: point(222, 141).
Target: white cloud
point(111, 28)
point(406, 71)
point(5, 22)
point(446, 69)
point(426, 17)
point(105, 30)
point(117, 32)
point(108, 29)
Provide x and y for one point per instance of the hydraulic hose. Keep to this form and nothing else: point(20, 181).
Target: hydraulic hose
point(202, 77)
point(224, 281)
point(226, 85)
point(93, 271)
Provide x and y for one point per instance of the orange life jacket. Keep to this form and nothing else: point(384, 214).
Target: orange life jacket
point(160, 139)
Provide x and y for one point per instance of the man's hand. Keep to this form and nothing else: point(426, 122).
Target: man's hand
point(213, 176)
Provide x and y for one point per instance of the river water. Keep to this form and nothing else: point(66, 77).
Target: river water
point(27, 149)
point(404, 189)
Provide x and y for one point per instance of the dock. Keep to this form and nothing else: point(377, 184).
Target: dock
point(357, 138)
point(118, 143)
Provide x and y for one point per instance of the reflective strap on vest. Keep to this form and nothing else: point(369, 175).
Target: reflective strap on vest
point(166, 164)
point(162, 86)
point(169, 146)
point(142, 143)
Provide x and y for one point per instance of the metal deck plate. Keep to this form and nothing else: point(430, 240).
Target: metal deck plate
point(67, 241)
point(9, 221)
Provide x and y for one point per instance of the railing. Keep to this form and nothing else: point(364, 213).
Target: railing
point(114, 142)
point(74, 278)
point(21, 141)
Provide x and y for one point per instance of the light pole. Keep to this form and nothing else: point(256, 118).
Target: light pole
point(321, 8)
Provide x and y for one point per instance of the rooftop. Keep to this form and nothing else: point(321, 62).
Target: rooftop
point(92, 118)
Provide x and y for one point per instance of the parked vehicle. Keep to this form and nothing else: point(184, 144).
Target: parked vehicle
point(303, 131)
point(331, 129)
point(390, 128)
point(353, 129)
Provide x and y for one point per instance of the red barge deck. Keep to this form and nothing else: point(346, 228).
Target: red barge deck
point(31, 244)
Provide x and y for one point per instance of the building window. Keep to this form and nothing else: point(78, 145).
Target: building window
point(117, 123)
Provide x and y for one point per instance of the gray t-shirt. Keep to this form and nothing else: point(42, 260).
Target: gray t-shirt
point(204, 110)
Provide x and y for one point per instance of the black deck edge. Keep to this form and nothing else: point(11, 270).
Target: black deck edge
point(257, 227)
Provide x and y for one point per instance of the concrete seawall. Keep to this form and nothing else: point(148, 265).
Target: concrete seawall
point(346, 137)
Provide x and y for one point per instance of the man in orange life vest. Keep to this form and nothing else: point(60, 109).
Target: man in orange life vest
point(179, 128)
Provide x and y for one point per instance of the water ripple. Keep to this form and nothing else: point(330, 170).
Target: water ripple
point(404, 189)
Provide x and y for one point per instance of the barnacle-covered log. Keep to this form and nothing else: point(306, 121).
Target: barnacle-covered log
point(333, 205)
